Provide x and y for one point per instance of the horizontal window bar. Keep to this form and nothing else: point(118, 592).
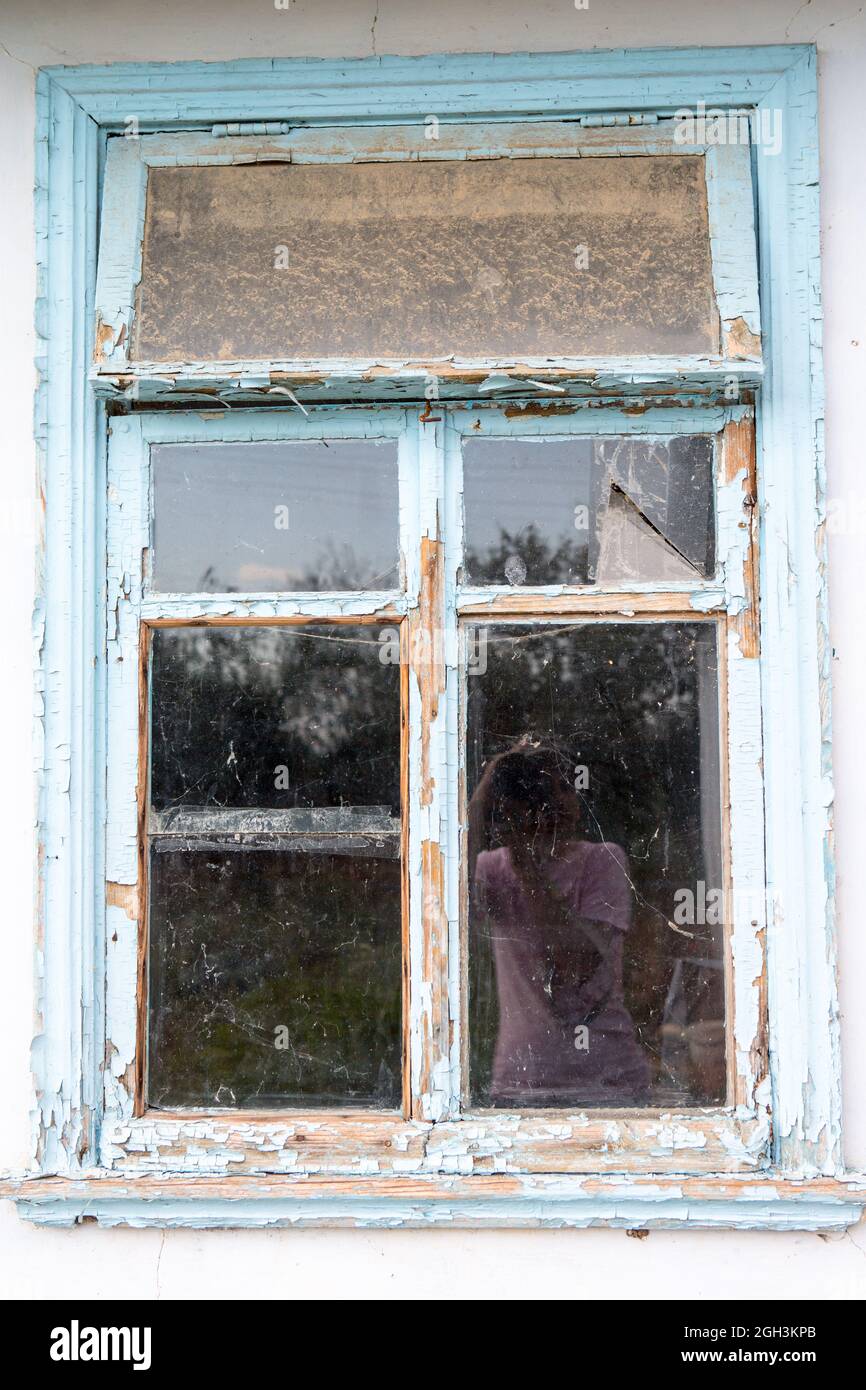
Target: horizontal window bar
point(355, 846)
point(187, 821)
point(558, 599)
point(179, 608)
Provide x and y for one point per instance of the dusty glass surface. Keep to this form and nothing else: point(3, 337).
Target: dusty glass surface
point(275, 979)
point(595, 869)
point(275, 902)
point(265, 518)
point(293, 716)
point(585, 509)
point(473, 258)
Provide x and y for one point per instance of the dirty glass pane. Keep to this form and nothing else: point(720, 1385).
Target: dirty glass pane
point(595, 870)
point(275, 979)
point(584, 510)
point(274, 717)
point(264, 518)
point(472, 258)
point(274, 833)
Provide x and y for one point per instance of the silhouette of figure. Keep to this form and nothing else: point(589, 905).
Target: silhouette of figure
point(556, 909)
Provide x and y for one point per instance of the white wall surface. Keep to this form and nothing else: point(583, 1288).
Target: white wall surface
point(88, 1262)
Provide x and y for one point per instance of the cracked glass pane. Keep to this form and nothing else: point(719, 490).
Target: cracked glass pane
point(275, 876)
point(267, 518)
point(596, 908)
point(585, 510)
point(497, 259)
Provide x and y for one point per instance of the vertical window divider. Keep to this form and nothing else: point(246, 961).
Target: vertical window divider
point(430, 1022)
point(409, 516)
point(457, 875)
point(139, 1104)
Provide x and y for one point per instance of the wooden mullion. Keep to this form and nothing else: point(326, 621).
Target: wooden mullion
point(142, 906)
point(405, 914)
point(431, 1010)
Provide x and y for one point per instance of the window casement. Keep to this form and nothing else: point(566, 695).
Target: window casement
point(441, 871)
point(266, 726)
point(356, 261)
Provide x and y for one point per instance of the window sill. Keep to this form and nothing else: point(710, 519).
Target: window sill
point(767, 1202)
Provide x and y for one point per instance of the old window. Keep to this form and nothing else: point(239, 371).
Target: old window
point(433, 716)
point(522, 243)
point(429, 818)
point(437, 693)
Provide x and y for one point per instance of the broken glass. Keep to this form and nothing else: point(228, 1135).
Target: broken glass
point(585, 510)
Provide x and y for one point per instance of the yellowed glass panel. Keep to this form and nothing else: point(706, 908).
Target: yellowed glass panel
point(496, 259)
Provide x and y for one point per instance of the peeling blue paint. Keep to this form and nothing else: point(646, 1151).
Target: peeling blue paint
point(76, 107)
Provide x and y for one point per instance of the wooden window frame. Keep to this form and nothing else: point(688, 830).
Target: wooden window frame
point(436, 1121)
point(800, 1181)
point(730, 213)
point(135, 610)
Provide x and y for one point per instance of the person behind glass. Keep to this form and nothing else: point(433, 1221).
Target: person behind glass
point(556, 908)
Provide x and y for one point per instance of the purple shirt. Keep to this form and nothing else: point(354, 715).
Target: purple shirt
point(555, 977)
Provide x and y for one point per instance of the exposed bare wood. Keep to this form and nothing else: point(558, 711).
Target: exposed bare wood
point(139, 1098)
point(542, 1141)
point(428, 657)
point(387, 614)
point(406, 973)
point(669, 604)
point(713, 1187)
point(124, 896)
point(739, 341)
point(435, 958)
point(739, 457)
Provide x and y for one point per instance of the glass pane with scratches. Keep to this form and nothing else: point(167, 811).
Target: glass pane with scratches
point(275, 951)
point(586, 509)
point(298, 515)
point(596, 902)
point(275, 978)
point(483, 259)
point(278, 717)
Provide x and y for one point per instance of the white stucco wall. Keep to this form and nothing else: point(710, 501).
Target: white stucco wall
point(341, 1264)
